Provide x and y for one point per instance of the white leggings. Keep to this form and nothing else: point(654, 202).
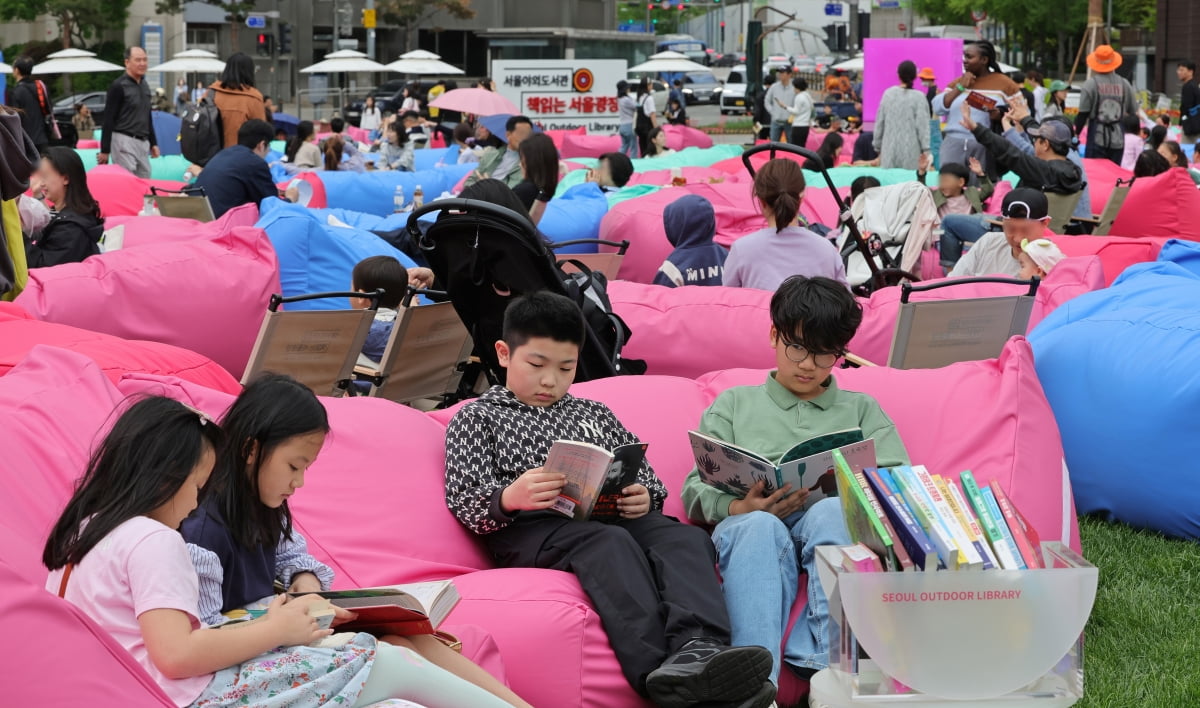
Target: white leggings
point(399, 672)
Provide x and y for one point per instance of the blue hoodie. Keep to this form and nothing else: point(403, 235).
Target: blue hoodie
point(690, 225)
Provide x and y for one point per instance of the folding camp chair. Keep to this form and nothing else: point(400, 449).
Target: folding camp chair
point(186, 203)
point(1062, 207)
point(318, 348)
point(1102, 223)
point(425, 356)
point(937, 333)
point(607, 263)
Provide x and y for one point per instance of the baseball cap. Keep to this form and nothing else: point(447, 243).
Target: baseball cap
point(1055, 131)
point(1043, 252)
point(1025, 203)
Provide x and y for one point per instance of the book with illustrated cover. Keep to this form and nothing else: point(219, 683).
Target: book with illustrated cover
point(864, 525)
point(595, 477)
point(807, 465)
point(404, 610)
point(900, 559)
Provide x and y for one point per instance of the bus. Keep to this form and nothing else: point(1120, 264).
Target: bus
point(685, 44)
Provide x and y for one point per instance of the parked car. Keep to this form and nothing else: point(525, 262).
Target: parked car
point(730, 59)
point(776, 62)
point(388, 97)
point(658, 88)
point(701, 87)
point(733, 95)
point(804, 63)
point(64, 108)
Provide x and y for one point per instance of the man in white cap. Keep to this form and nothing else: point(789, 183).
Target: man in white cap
point(1105, 97)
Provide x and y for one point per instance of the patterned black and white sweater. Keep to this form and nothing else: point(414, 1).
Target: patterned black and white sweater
point(495, 439)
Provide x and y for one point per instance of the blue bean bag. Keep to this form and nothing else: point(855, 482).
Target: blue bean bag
point(575, 214)
point(428, 159)
point(315, 257)
point(1119, 367)
point(372, 192)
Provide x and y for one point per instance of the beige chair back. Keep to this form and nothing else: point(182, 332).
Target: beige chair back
point(1062, 207)
point(316, 347)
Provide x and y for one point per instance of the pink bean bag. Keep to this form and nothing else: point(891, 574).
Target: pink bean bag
point(207, 296)
point(358, 134)
point(1102, 176)
point(20, 333)
point(146, 230)
point(87, 145)
point(1116, 252)
point(1164, 205)
point(558, 135)
point(319, 199)
point(589, 145)
point(665, 322)
point(640, 221)
point(119, 191)
point(682, 136)
point(1070, 278)
point(693, 175)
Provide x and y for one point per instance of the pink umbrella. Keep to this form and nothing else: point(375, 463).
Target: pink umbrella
point(479, 101)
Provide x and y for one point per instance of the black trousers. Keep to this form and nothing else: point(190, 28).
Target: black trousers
point(798, 136)
point(652, 580)
point(1112, 154)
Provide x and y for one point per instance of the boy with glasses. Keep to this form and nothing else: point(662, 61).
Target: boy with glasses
point(764, 540)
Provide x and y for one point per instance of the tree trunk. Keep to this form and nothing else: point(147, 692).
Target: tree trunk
point(64, 21)
point(1062, 51)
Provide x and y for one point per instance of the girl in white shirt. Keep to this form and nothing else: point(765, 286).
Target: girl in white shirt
point(371, 118)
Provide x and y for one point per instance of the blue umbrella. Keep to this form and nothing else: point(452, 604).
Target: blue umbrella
point(496, 124)
point(286, 122)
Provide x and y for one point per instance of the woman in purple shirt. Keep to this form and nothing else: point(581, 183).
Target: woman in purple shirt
point(767, 257)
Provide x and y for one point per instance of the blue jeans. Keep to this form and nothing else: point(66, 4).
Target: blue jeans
point(778, 128)
point(761, 556)
point(958, 229)
point(628, 140)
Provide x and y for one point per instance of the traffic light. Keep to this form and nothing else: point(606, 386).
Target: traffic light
point(264, 44)
point(285, 38)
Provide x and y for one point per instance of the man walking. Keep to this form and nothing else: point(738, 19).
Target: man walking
point(128, 133)
point(780, 92)
point(1105, 97)
point(34, 101)
point(1189, 101)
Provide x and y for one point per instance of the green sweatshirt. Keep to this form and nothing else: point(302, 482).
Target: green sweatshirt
point(769, 420)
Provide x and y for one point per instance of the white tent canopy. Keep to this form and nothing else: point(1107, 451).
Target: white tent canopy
point(74, 61)
point(343, 61)
point(668, 63)
point(192, 60)
point(420, 61)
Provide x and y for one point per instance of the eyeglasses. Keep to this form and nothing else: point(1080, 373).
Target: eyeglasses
point(797, 353)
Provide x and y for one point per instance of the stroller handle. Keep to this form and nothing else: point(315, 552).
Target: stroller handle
point(795, 150)
point(907, 289)
point(622, 246)
point(459, 204)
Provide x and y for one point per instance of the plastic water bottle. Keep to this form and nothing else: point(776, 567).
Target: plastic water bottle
point(398, 199)
point(418, 197)
point(147, 205)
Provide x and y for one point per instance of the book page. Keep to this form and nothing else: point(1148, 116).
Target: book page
point(438, 597)
point(816, 472)
point(585, 467)
point(730, 468)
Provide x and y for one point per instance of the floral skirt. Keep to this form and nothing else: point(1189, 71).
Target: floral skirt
point(295, 677)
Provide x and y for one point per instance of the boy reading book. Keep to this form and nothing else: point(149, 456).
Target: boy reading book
point(812, 321)
point(650, 577)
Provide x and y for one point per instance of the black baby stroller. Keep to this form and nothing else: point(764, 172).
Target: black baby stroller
point(883, 265)
point(484, 255)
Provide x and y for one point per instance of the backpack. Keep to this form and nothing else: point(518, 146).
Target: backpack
point(642, 124)
point(43, 99)
point(589, 290)
point(200, 133)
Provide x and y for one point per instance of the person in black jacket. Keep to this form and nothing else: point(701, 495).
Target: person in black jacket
point(1189, 101)
point(25, 97)
point(74, 231)
point(128, 132)
point(1047, 169)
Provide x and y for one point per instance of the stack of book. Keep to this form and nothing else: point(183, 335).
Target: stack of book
point(905, 519)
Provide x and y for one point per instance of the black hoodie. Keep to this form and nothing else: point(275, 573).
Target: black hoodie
point(68, 238)
point(496, 438)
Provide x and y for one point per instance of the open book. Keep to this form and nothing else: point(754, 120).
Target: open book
point(595, 477)
point(404, 610)
point(807, 465)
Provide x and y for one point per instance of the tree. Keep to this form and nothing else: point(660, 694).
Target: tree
point(78, 19)
point(411, 14)
point(235, 12)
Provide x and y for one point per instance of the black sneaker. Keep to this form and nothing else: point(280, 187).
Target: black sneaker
point(705, 671)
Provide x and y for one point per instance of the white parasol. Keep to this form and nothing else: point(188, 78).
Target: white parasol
point(668, 63)
point(343, 61)
point(192, 60)
point(74, 61)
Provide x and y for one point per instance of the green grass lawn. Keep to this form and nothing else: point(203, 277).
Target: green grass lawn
point(1142, 646)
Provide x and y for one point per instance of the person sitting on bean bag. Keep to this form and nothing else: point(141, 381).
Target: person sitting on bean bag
point(690, 224)
point(73, 232)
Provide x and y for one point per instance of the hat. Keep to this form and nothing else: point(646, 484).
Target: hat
point(1104, 60)
point(1025, 203)
point(1044, 253)
point(927, 74)
point(1058, 85)
point(1055, 131)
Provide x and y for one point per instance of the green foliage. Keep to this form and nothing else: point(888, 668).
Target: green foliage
point(82, 18)
point(662, 21)
point(412, 13)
